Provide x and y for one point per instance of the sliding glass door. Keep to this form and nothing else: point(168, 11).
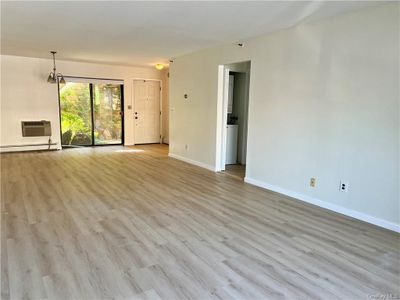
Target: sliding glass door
point(107, 114)
point(91, 114)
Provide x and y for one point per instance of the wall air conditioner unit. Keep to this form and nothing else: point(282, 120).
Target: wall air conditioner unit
point(36, 128)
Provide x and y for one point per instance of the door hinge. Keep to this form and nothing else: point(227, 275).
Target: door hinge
point(160, 88)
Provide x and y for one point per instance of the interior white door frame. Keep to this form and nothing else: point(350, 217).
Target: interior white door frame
point(161, 108)
point(246, 118)
point(222, 111)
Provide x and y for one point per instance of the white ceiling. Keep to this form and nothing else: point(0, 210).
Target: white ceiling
point(145, 33)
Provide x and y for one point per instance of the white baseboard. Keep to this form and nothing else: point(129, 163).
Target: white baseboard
point(333, 207)
point(192, 162)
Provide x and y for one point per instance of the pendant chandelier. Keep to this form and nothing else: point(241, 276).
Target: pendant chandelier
point(55, 77)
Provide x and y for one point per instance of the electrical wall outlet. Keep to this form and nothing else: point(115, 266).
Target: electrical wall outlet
point(186, 147)
point(313, 182)
point(344, 186)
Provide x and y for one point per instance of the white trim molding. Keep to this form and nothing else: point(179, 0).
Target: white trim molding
point(192, 162)
point(333, 207)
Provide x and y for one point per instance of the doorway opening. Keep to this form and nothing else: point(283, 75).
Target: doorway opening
point(91, 112)
point(233, 101)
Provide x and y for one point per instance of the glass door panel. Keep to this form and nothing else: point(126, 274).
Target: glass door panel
point(76, 114)
point(107, 114)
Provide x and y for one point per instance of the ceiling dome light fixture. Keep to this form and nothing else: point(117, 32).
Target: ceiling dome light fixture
point(55, 77)
point(159, 66)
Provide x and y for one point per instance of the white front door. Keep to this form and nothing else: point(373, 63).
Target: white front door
point(146, 95)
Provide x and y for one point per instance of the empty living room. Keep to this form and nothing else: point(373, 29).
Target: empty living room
point(200, 150)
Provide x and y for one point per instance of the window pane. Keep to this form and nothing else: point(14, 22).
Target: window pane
point(76, 119)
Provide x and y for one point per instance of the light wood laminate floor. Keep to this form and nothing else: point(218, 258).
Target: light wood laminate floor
point(238, 171)
point(127, 223)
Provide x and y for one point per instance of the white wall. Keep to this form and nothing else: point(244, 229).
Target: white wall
point(25, 94)
point(324, 103)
